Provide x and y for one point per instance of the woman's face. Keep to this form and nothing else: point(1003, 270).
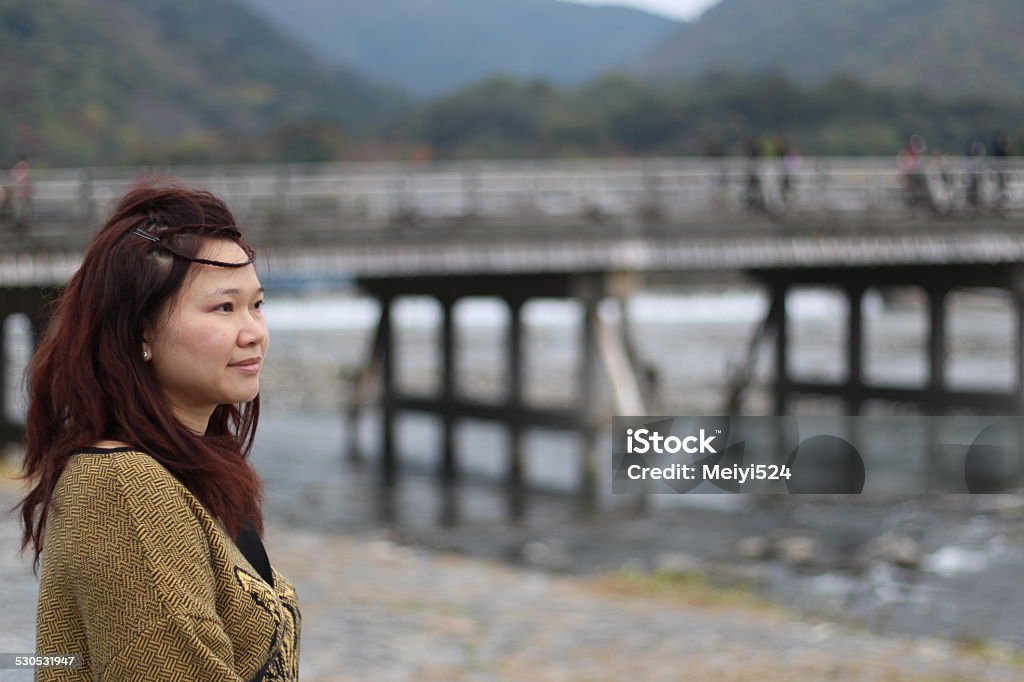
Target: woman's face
point(207, 346)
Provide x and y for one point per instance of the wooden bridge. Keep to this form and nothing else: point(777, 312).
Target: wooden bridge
point(586, 230)
point(659, 215)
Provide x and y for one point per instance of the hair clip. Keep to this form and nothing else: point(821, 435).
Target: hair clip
point(228, 231)
point(145, 235)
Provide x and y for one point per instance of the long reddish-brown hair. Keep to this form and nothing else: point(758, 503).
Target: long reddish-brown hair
point(87, 381)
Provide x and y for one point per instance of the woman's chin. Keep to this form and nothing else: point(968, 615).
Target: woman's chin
point(246, 395)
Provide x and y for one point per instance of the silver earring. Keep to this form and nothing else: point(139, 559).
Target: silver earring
point(145, 355)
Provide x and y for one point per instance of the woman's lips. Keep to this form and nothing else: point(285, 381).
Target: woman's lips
point(251, 366)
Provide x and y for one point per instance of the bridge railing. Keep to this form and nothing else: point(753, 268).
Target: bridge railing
point(350, 197)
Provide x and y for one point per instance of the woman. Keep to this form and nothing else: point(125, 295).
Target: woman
point(144, 510)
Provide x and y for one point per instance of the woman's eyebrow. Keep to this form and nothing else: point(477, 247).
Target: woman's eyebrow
point(232, 291)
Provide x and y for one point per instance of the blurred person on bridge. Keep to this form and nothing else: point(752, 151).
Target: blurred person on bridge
point(789, 166)
point(912, 166)
point(1000, 154)
point(5, 204)
point(976, 164)
point(21, 192)
point(755, 191)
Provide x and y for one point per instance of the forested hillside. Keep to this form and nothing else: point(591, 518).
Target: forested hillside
point(103, 81)
point(952, 47)
point(718, 113)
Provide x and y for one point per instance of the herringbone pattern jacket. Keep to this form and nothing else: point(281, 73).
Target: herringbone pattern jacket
point(146, 585)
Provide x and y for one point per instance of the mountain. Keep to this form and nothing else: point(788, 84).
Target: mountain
point(105, 81)
point(961, 47)
point(434, 46)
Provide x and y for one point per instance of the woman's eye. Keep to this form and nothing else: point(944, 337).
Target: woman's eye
point(259, 304)
point(226, 307)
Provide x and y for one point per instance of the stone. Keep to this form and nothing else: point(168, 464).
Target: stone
point(754, 548)
point(548, 554)
point(678, 563)
point(798, 550)
point(898, 550)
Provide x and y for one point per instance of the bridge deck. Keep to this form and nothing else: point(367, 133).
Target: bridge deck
point(596, 253)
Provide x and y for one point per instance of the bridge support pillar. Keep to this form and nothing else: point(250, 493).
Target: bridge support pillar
point(1018, 300)
point(603, 350)
point(514, 342)
point(935, 396)
point(587, 399)
point(936, 343)
point(1017, 291)
point(388, 462)
point(855, 350)
point(8, 430)
point(30, 302)
point(777, 321)
point(449, 464)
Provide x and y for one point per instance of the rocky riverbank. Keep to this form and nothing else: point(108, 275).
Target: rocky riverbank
point(374, 608)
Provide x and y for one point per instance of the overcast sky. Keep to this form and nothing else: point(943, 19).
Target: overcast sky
point(676, 9)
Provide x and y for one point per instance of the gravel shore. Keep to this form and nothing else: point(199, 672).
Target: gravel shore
point(376, 610)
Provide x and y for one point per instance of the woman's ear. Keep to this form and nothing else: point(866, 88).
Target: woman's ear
point(147, 348)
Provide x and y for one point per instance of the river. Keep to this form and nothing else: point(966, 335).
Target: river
point(958, 579)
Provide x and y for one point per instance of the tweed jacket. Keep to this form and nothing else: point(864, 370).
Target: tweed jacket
point(145, 584)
